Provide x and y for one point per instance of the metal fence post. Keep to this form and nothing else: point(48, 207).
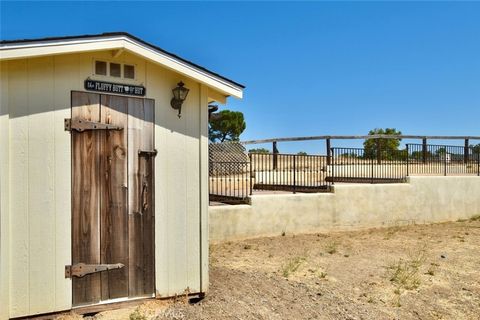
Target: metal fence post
point(332, 164)
point(250, 174)
point(372, 174)
point(294, 173)
point(478, 163)
point(466, 151)
point(445, 161)
point(329, 154)
point(408, 157)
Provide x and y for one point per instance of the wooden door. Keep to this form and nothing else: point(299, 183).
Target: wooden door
point(112, 197)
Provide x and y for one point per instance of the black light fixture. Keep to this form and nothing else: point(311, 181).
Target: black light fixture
point(179, 95)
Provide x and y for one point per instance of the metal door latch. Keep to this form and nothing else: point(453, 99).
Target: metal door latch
point(148, 153)
point(82, 125)
point(81, 269)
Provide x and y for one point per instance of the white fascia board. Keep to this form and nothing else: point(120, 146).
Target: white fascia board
point(184, 68)
point(55, 47)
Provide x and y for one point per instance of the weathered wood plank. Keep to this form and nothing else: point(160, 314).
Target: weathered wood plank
point(135, 119)
point(85, 198)
point(113, 196)
point(147, 167)
point(141, 193)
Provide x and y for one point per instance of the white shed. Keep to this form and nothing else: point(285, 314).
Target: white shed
point(103, 185)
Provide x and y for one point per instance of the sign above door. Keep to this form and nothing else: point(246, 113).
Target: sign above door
point(118, 88)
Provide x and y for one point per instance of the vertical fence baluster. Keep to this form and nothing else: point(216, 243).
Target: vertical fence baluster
point(294, 173)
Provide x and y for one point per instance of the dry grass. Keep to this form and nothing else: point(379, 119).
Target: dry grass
point(421, 272)
point(292, 265)
point(404, 273)
point(331, 247)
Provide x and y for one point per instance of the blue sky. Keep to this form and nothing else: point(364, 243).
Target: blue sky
point(311, 68)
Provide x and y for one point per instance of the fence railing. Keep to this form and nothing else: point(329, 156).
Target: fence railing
point(289, 172)
point(234, 174)
point(442, 160)
point(229, 181)
point(389, 166)
point(367, 166)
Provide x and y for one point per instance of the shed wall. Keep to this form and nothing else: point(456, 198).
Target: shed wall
point(39, 164)
point(4, 217)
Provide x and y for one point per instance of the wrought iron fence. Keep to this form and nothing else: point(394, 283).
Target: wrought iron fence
point(442, 160)
point(235, 174)
point(229, 173)
point(289, 172)
point(367, 166)
point(390, 166)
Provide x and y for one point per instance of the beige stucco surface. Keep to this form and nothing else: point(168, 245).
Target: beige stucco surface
point(352, 206)
point(35, 176)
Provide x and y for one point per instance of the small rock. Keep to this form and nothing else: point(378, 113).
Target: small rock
point(443, 256)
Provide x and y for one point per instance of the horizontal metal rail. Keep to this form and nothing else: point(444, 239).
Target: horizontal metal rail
point(289, 172)
point(377, 165)
point(362, 137)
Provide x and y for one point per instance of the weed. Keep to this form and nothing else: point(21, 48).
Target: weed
point(370, 300)
point(431, 271)
point(322, 275)
point(331, 247)
point(405, 273)
point(397, 303)
point(137, 315)
point(292, 265)
point(417, 258)
point(247, 247)
point(475, 218)
point(391, 232)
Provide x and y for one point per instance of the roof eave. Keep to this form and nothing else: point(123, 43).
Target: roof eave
point(10, 51)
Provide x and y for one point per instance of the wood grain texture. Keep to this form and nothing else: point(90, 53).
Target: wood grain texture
point(147, 168)
point(85, 198)
point(141, 197)
point(113, 196)
point(113, 216)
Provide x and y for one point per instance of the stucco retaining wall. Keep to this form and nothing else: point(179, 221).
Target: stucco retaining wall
point(352, 206)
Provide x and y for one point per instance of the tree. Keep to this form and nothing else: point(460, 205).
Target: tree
point(476, 149)
point(441, 151)
point(388, 147)
point(259, 150)
point(302, 153)
point(226, 126)
point(418, 155)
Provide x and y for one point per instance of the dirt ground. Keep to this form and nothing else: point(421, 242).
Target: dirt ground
point(410, 272)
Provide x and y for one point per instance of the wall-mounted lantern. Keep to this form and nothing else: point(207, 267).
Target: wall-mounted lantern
point(179, 95)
